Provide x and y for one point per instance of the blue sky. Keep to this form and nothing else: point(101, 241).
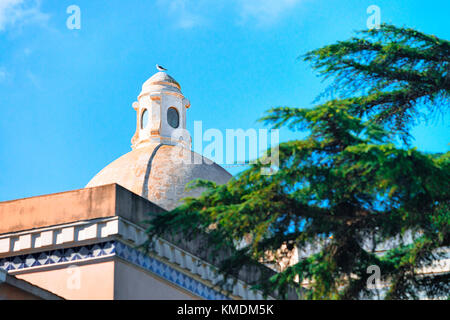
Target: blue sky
point(66, 95)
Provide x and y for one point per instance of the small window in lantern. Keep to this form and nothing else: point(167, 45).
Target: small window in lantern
point(144, 119)
point(173, 118)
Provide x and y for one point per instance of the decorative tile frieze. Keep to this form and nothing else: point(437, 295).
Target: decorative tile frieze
point(110, 249)
point(57, 257)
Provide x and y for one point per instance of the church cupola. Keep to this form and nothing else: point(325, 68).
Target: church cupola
point(161, 113)
point(161, 163)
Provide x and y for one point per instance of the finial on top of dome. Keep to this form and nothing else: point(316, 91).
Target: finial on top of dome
point(160, 68)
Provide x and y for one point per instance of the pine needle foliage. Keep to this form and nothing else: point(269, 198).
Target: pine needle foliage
point(346, 190)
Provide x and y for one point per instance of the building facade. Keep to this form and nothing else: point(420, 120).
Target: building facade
point(86, 244)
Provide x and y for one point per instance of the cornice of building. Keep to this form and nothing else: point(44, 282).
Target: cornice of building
point(103, 238)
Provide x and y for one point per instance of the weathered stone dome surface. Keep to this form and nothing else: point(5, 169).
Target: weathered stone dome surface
point(160, 173)
point(160, 82)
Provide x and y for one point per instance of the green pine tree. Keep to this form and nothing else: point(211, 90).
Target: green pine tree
point(345, 189)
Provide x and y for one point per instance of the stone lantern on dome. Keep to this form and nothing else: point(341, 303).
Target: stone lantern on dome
point(161, 113)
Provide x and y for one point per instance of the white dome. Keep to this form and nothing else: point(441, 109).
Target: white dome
point(160, 165)
point(159, 173)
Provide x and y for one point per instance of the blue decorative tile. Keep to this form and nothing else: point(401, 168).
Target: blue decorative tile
point(18, 263)
point(147, 263)
point(9, 266)
point(109, 247)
